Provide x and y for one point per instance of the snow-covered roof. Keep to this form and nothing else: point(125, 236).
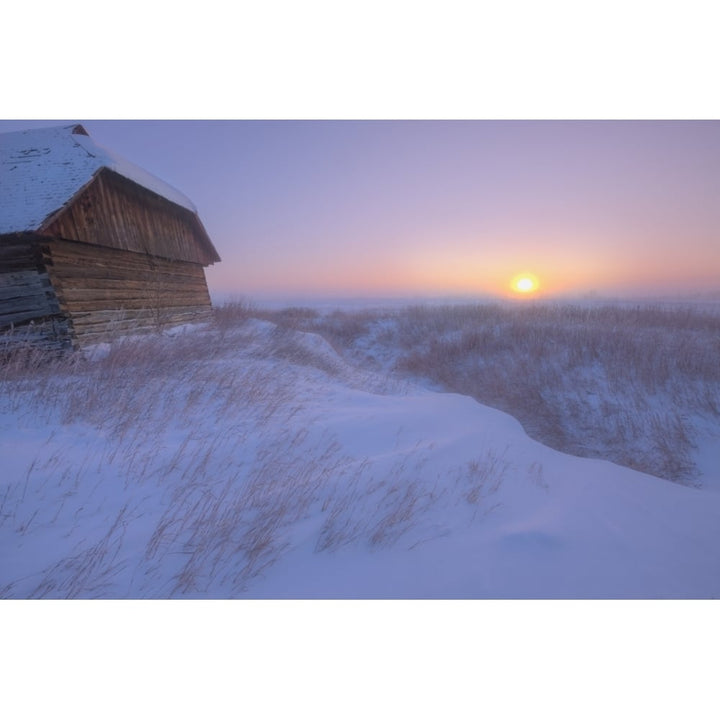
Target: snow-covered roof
point(42, 170)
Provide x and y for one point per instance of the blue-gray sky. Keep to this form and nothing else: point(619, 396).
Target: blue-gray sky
point(383, 208)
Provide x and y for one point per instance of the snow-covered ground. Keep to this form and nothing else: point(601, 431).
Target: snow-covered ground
point(254, 462)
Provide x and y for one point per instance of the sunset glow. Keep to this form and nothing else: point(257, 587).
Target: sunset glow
point(441, 208)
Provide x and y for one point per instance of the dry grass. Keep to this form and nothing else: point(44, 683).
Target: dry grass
point(129, 396)
point(212, 447)
point(90, 572)
point(619, 382)
point(197, 438)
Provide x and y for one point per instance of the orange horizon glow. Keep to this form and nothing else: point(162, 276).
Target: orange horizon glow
point(439, 265)
point(382, 209)
point(435, 275)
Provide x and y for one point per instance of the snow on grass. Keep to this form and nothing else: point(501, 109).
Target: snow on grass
point(251, 460)
point(638, 385)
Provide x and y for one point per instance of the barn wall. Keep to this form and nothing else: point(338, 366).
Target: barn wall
point(29, 308)
point(25, 291)
point(116, 213)
point(107, 292)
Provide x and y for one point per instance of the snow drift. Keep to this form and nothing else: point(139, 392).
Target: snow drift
point(251, 461)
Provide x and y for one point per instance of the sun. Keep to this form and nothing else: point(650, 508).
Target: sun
point(525, 283)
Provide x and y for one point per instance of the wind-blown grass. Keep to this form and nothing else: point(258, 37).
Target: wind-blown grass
point(179, 435)
point(205, 443)
point(624, 383)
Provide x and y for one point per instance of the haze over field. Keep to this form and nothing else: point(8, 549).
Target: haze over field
point(441, 208)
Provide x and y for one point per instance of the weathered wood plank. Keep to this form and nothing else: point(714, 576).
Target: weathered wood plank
point(83, 268)
point(128, 326)
point(24, 296)
point(23, 249)
point(103, 316)
point(77, 306)
point(19, 255)
point(80, 276)
point(52, 335)
point(18, 292)
point(41, 304)
point(88, 330)
point(97, 291)
point(23, 277)
point(79, 261)
point(115, 213)
point(22, 316)
point(153, 283)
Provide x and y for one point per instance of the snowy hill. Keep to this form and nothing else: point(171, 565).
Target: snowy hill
point(253, 461)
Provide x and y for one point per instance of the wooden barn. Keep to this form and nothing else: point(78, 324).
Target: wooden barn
point(92, 246)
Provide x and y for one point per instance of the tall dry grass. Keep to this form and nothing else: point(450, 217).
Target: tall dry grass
point(625, 383)
point(205, 440)
point(204, 446)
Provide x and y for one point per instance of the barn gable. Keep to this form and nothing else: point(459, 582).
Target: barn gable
point(91, 244)
point(118, 213)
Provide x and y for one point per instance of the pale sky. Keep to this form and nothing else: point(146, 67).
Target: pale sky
point(440, 208)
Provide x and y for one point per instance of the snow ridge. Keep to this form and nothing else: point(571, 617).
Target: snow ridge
point(253, 461)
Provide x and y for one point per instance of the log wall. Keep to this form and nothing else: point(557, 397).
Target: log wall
point(116, 213)
point(25, 290)
point(118, 259)
point(107, 292)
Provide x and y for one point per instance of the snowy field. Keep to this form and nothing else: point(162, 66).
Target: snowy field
point(258, 459)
